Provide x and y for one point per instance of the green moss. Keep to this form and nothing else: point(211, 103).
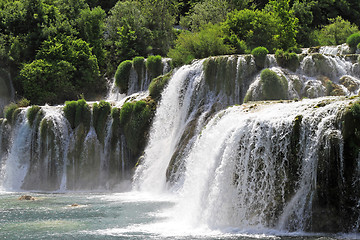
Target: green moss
point(23, 102)
point(289, 60)
point(353, 40)
point(77, 112)
point(154, 66)
point(138, 63)
point(9, 112)
point(158, 84)
point(259, 54)
point(135, 118)
point(273, 87)
point(101, 112)
point(122, 75)
point(32, 113)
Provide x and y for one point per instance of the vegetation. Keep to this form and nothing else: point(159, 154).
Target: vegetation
point(122, 75)
point(273, 87)
point(158, 84)
point(353, 40)
point(32, 113)
point(9, 112)
point(101, 112)
point(135, 120)
point(154, 66)
point(77, 112)
point(259, 54)
point(60, 49)
point(287, 59)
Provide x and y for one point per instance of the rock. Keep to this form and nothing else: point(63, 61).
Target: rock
point(74, 205)
point(26, 197)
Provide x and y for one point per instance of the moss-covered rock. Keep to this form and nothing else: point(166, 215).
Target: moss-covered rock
point(154, 66)
point(273, 86)
point(101, 112)
point(9, 112)
point(158, 84)
point(260, 54)
point(77, 112)
point(289, 60)
point(135, 119)
point(32, 112)
point(349, 83)
point(122, 75)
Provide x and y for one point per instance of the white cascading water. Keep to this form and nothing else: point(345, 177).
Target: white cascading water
point(170, 121)
point(238, 165)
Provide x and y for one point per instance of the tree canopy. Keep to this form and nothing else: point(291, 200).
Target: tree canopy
point(70, 46)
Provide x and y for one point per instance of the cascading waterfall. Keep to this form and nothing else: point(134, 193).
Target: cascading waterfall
point(256, 166)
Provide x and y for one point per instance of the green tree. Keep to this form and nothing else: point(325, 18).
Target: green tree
point(211, 11)
point(207, 42)
point(288, 23)
point(91, 29)
point(254, 27)
point(336, 32)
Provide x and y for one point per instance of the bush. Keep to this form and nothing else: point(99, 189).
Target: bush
point(32, 113)
point(154, 66)
point(336, 32)
point(259, 54)
point(158, 84)
point(353, 40)
point(9, 112)
point(77, 112)
point(205, 43)
point(273, 87)
point(23, 102)
point(122, 75)
point(358, 46)
point(101, 112)
point(287, 59)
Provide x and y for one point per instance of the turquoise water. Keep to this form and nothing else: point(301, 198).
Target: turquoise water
point(108, 216)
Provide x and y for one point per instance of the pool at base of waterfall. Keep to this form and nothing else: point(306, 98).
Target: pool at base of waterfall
point(131, 215)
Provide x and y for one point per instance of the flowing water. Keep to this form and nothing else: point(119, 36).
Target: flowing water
point(214, 167)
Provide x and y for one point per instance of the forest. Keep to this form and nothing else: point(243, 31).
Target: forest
point(58, 50)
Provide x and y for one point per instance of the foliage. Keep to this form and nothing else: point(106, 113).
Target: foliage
point(287, 59)
point(303, 12)
point(101, 112)
point(288, 23)
point(32, 113)
point(336, 32)
point(77, 112)
point(205, 12)
point(207, 42)
point(158, 84)
point(254, 27)
point(138, 63)
point(23, 102)
point(122, 75)
point(273, 87)
point(135, 120)
point(259, 54)
point(9, 112)
point(353, 40)
point(154, 66)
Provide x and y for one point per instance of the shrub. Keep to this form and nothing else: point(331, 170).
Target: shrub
point(32, 113)
point(77, 112)
point(101, 112)
point(273, 87)
point(353, 40)
point(122, 75)
point(154, 66)
point(259, 54)
point(287, 59)
point(205, 43)
point(358, 46)
point(9, 112)
point(23, 102)
point(158, 84)
point(336, 32)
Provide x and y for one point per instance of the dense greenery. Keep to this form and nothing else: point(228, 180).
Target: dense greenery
point(259, 54)
point(78, 112)
point(273, 87)
point(60, 49)
point(135, 118)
